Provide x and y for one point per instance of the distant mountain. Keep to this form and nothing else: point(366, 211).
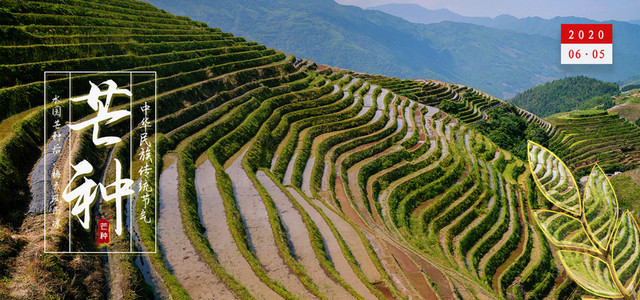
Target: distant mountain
point(567, 94)
point(419, 14)
point(500, 62)
point(629, 81)
point(625, 34)
point(532, 25)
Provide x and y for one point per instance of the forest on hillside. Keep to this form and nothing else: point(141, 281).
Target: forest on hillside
point(562, 95)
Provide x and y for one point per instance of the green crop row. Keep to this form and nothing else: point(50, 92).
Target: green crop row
point(260, 154)
point(475, 234)
point(154, 54)
point(32, 34)
point(237, 227)
point(330, 105)
point(505, 249)
point(231, 143)
point(304, 152)
point(387, 178)
point(338, 138)
point(565, 289)
point(104, 9)
point(317, 241)
point(516, 268)
point(491, 240)
point(190, 120)
point(102, 20)
point(454, 193)
point(422, 191)
point(167, 103)
point(25, 55)
point(24, 97)
point(544, 287)
point(345, 249)
point(342, 83)
point(280, 234)
point(343, 148)
point(457, 228)
point(425, 188)
point(119, 37)
point(333, 112)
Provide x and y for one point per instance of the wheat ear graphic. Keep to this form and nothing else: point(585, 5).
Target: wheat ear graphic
point(598, 246)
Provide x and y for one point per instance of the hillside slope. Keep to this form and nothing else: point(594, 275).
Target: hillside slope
point(567, 94)
point(377, 43)
point(499, 61)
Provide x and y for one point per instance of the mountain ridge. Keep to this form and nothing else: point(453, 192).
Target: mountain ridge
point(498, 61)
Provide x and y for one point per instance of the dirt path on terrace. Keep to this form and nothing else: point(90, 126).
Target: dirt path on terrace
point(149, 273)
point(371, 202)
point(345, 204)
point(306, 174)
point(536, 251)
point(333, 247)
point(407, 265)
point(390, 265)
point(413, 272)
point(214, 220)
point(352, 238)
point(287, 174)
point(299, 237)
point(182, 259)
point(259, 233)
point(422, 135)
point(411, 122)
point(352, 184)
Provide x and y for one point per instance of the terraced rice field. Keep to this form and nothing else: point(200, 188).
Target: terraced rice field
point(470, 103)
point(577, 139)
point(275, 180)
point(601, 137)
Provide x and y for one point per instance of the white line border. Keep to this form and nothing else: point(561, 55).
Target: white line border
point(155, 81)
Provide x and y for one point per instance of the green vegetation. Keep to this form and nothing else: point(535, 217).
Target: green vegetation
point(629, 87)
point(562, 95)
point(597, 219)
point(509, 131)
point(585, 138)
point(627, 187)
point(372, 42)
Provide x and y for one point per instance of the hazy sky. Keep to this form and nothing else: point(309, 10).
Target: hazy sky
point(600, 10)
